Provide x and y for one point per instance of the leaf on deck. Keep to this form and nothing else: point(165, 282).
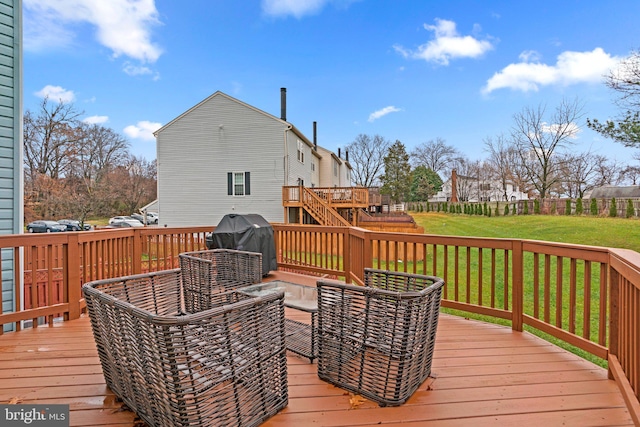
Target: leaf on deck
point(356, 400)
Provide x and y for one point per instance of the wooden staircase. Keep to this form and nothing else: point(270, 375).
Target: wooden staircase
point(320, 210)
point(330, 206)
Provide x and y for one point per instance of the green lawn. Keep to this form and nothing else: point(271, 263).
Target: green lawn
point(583, 230)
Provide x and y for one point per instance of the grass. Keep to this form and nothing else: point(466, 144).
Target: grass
point(584, 230)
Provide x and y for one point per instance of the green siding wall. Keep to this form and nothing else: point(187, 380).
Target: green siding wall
point(11, 193)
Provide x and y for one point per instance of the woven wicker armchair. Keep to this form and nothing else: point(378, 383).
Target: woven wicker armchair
point(206, 273)
point(225, 366)
point(377, 340)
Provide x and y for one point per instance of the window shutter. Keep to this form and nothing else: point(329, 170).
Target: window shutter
point(247, 183)
point(230, 183)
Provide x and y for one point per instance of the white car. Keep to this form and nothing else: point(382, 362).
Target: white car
point(121, 218)
point(125, 223)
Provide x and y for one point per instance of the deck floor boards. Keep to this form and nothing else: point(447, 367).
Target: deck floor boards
point(482, 375)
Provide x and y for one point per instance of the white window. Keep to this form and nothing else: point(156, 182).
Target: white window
point(238, 183)
point(300, 151)
point(313, 166)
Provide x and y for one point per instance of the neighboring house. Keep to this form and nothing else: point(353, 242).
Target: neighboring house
point(11, 182)
point(225, 156)
point(612, 191)
point(334, 171)
point(470, 189)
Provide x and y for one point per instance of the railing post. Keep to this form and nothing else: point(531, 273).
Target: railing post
point(71, 276)
point(614, 312)
point(137, 252)
point(517, 293)
point(346, 255)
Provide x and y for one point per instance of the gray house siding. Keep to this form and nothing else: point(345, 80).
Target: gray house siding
point(197, 150)
point(297, 169)
point(11, 199)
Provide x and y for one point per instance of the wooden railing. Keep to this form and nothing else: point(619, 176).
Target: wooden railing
point(586, 296)
point(351, 197)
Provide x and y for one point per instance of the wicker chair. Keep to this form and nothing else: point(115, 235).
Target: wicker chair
point(225, 366)
point(206, 273)
point(377, 340)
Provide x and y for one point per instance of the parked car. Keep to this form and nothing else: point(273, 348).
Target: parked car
point(74, 225)
point(121, 218)
point(154, 216)
point(125, 223)
point(140, 217)
point(45, 227)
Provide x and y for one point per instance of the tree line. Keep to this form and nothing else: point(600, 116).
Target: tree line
point(76, 169)
point(536, 155)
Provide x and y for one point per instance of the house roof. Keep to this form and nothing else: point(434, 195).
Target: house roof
point(610, 191)
point(295, 130)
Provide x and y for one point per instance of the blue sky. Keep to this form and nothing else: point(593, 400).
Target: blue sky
point(405, 69)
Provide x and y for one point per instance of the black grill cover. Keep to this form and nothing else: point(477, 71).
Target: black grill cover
point(246, 232)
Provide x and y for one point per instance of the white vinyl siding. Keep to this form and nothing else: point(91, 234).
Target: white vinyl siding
point(199, 148)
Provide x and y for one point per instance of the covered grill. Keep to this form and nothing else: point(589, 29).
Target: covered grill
point(246, 232)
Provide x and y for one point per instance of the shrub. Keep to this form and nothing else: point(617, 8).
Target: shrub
point(536, 207)
point(613, 209)
point(513, 210)
point(631, 212)
point(579, 208)
point(554, 207)
point(506, 210)
point(438, 207)
point(593, 207)
point(485, 209)
point(428, 206)
point(567, 208)
point(489, 212)
point(497, 211)
point(525, 211)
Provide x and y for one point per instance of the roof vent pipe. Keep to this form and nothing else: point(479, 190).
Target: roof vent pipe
point(315, 136)
point(339, 153)
point(283, 103)
point(346, 155)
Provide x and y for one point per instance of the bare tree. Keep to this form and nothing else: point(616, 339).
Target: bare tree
point(366, 156)
point(625, 81)
point(540, 142)
point(49, 139)
point(435, 155)
point(503, 162)
point(583, 172)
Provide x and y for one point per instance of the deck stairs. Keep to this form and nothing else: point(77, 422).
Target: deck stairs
point(320, 210)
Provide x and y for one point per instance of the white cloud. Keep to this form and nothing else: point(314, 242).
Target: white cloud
point(299, 8)
point(96, 120)
point(570, 68)
point(142, 130)
point(123, 26)
point(447, 44)
point(383, 112)
point(56, 94)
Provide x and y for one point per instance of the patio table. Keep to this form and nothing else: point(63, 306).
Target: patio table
point(300, 337)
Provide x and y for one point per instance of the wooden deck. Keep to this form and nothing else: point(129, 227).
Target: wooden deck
point(483, 375)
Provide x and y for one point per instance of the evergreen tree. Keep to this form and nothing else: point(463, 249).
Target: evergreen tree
point(513, 211)
point(424, 184)
point(525, 211)
point(593, 208)
point(396, 180)
point(506, 210)
point(567, 207)
point(579, 208)
point(536, 207)
point(613, 209)
point(631, 212)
